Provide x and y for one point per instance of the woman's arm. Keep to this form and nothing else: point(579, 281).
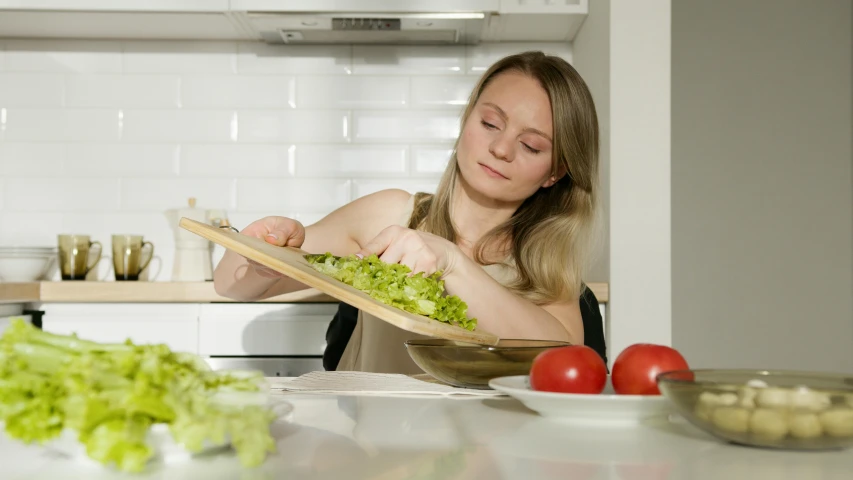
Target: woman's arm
point(496, 308)
point(505, 314)
point(342, 232)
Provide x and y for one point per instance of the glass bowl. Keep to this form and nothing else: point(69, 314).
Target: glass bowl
point(470, 365)
point(760, 408)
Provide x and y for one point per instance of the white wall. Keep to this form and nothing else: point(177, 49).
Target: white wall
point(591, 54)
point(102, 137)
point(640, 303)
point(762, 187)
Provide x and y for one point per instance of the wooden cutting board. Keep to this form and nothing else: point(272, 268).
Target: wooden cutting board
point(290, 261)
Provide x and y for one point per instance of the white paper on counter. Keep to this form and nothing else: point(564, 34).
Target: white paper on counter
point(366, 383)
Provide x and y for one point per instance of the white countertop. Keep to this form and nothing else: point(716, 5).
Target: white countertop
point(390, 438)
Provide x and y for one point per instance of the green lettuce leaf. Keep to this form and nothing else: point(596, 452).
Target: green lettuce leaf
point(393, 285)
point(121, 441)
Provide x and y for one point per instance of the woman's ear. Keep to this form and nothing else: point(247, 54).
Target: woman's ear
point(550, 181)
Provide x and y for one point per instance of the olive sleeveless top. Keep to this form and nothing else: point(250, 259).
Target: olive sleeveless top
point(377, 346)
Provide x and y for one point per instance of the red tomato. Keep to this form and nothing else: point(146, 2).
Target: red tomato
point(571, 369)
point(635, 369)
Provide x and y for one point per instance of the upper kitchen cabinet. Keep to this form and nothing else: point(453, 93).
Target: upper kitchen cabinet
point(114, 6)
point(537, 20)
point(298, 21)
point(128, 19)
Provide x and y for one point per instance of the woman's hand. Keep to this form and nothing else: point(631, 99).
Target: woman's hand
point(279, 231)
point(420, 251)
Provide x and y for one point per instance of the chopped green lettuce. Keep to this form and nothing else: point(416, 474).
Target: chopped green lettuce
point(110, 395)
point(393, 285)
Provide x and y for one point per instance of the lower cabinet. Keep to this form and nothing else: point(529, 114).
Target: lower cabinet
point(176, 325)
point(293, 329)
point(280, 339)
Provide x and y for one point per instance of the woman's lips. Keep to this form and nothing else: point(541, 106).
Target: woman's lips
point(492, 172)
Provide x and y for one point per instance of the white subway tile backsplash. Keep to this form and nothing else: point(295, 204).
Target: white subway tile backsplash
point(30, 90)
point(179, 126)
point(238, 91)
point(120, 160)
point(482, 56)
point(366, 187)
point(430, 160)
point(317, 126)
point(26, 124)
point(291, 194)
point(73, 56)
point(153, 226)
point(41, 124)
point(350, 160)
point(160, 194)
point(351, 92)
point(87, 159)
point(261, 58)
point(96, 225)
point(110, 90)
point(180, 57)
point(103, 137)
point(62, 194)
point(241, 220)
point(236, 160)
point(37, 229)
point(451, 92)
point(31, 159)
point(405, 126)
point(404, 59)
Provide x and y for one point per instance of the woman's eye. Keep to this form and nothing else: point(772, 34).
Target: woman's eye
point(531, 149)
point(488, 125)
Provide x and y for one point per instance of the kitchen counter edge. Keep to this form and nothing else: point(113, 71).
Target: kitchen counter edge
point(159, 292)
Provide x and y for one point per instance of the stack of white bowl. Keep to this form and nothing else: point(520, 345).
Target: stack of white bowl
point(26, 264)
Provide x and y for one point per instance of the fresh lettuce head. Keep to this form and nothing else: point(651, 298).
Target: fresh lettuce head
point(110, 396)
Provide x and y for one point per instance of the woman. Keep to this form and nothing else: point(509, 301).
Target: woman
point(509, 225)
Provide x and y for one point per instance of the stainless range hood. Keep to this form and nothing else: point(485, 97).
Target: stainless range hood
point(368, 28)
point(440, 22)
point(443, 22)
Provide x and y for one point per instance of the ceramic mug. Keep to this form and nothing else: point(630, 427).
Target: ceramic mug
point(75, 256)
point(128, 256)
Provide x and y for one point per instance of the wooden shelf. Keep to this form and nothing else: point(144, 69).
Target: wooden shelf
point(19, 292)
point(133, 292)
point(601, 291)
point(157, 292)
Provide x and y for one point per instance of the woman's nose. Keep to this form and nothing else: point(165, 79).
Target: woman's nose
point(501, 148)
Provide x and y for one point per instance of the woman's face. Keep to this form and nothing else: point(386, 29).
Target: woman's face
point(504, 152)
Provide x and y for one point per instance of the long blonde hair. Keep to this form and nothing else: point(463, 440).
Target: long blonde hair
point(552, 232)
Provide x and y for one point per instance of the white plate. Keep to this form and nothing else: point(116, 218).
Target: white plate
point(606, 408)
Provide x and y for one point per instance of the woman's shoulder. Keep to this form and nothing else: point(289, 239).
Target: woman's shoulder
point(358, 221)
point(388, 203)
point(379, 210)
point(396, 195)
